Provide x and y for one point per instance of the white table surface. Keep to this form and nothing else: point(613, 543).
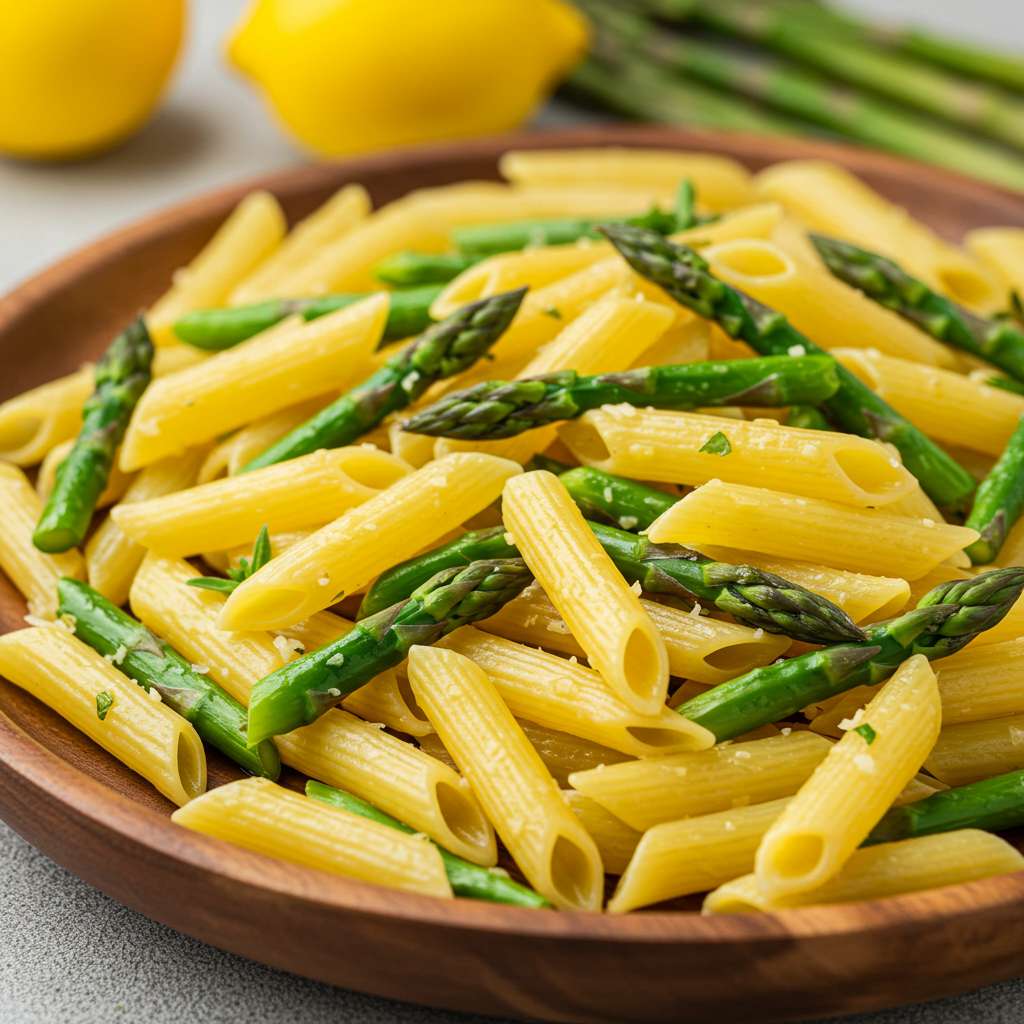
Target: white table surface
point(69, 954)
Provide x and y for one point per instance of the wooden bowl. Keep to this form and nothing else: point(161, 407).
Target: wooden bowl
point(93, 816)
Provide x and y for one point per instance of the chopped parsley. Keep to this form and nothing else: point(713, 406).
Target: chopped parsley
point(867, 732)
point(104, 702)
point(554, 312)
point(716, 444)
point(246, 567)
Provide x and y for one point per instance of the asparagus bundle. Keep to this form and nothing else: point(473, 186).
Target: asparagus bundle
point(756, 598)
point(946, 619)
point(495, 409)
point(999, 501)
point(122, 374)
point(407, 269)
point(999, 342)
point(301, 691)
point(218, 718)
point(442, 350)
point(467, 879)
point(685, 276)
point(217, 329)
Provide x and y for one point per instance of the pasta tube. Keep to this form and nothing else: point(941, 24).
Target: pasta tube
point(615, 840)
point(977, 750)
point(34, 422)
point(1001, 250)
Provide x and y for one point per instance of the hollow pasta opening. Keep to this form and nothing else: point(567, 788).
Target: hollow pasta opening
point(373, 469)
point(404, 688)
point(796, 855)
point(872, 471)
point(461, 815)
point(572, 875)
point(191, 764)
point(729, 904)
point(734, 658)
point(751, 260)
point(641, 664)
point(19, 432)
point(964, 285)
point(587, 444)
point(655, 737)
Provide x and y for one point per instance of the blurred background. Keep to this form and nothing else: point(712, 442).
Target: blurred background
point(113, 108)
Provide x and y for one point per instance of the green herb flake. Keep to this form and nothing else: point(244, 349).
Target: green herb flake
point(104, 702)
point(554, 312)
point(716, 444)
point(867, 732)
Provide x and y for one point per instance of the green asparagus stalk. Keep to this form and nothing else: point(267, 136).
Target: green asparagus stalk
point(467, 879)
point(218, 718)
point(301, 691)
point(217, 329)
point(122, 374)
point(1006, 384)
point(999, 342)
point(999, 501)
point(605, 496)
point(994, 804)
point(408, 269)
point(685, 276)
point(496, 408)
point(946, 619)
point(753, 597)
point(807, 417)
point(442, 350)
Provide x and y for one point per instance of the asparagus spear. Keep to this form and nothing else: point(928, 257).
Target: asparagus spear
point(217, 329)
point(999, 500)
point(685, 276)
point(994, 804)
point(756, 598)
point(946, 619)
point(496, 408)
point(1000, 342)
point(467, 879)
point(405, 269)
point(626, 503)
point(122, 374)
point(442, 350)
point(301, 691)
point(154, 665)
point(808, 417)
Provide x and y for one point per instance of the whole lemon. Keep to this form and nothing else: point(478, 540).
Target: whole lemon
point(77, 76)
point(347, 76)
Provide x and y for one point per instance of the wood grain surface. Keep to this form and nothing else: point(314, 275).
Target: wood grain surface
point(92, 815)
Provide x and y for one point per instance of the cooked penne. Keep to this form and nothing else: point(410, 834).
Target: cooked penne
point(648, 792)
point(241, 243)
point(346, 554)
point(36, 421)
point(32, 572)
point(172, 358)
point(567, 697)
point(325, 225)
point(652, 444)
point(1001, 250)
point(982, 682)
point(602, 611)
point(841, 802)
point(261, 816)
point(416, 449)
point(307, 491)
point(615, 840)
point(708, 650)
point(888, 869)
point(1009, 628)
point(283, 366)
point(117, 483)
point(945, 405)
point(522, 801)
point(809, 530)
point(689, 341)
point(977, 750)
point(678, 858)
point(83, 687)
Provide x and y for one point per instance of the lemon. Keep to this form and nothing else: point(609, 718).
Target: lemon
point(346, 76)
point(77, 76)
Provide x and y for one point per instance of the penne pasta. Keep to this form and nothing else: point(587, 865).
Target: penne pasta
point(415, 449)
point(283, 366)
point(1001, 250)
point(172, 358)
point(603, 613)
point(261, 816)
point(977, 750)
point(648, 792)
point(518, 795)
point(36, 421)
point(809, 530)
point(982, 682)
point(136, 727)
point(615, 840)
point(651, 444)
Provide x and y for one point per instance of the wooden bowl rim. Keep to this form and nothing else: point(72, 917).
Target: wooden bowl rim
point(50, 779)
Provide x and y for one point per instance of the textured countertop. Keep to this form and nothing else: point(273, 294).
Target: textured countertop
point(68, 954)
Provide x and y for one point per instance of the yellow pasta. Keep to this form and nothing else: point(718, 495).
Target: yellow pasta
point(1009, 628)
point(945, 405)
point(689, 341)
point(982, 682)
point(283, 366)
point(117, 482)
point(326, 224)
point(653, 444)
point(1001, 250)
point(567, 697)
point(307, 491)
point(841, 802)
point(33, 573)
point(615, 840)
point(888, 869)
point(708, 650)
point(346, 554)
point(34, 422)
point(678, 858)
point(647, 792)
point(172, 358)
point(978, 750)
point(416, 449)
point(518, 795)
point(241, 243)
point(602, 611)
point(261, 816)
point(138, 728)
point(809, 530)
